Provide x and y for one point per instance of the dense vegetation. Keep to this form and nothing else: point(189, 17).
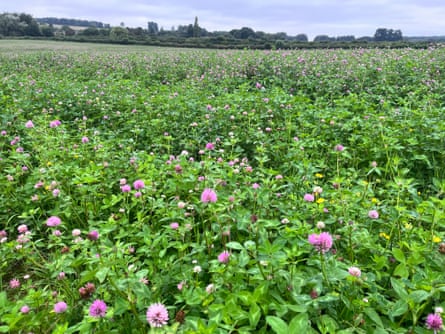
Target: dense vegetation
point(222, 191)
point(193, 35)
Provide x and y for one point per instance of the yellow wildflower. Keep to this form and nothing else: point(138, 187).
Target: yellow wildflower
point(436, 239)
point(384, 235)
point(318, 175)
point(320, 200)
point(408, 226)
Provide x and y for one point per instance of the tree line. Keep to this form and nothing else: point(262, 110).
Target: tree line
point(190, 35)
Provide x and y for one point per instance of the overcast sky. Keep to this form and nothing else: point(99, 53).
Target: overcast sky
point(312, 17)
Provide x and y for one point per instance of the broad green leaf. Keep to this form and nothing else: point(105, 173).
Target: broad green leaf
point(398, 255)
point(398, 288)
point(3, 299)
point(245, 297)
point(401, 270)
point(102, 274)
point(299, 324)
point(120, 306)
point(372, 314)
point(418, 296)
point(346, 331)
point(254, 315)
point(278, 325)
point(297, 308)
point(328, 324)
point(261, 291)
point(399, 308)
point(234, 245)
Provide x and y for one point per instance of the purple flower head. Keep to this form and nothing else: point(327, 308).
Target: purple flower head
point(29, 124)
point(308, 197)
point(55, 123)
point(174, 225)
point(210, 146)
point(53, 221)
point(93, 235)
point(98, 308)
point(354, 271)
point(224, 257)
point(434, 322)
point(126, 188)
point(339, 148)
point(322, 242)
point(373, 214)
point(157, 315)
point(60, 307)
point(14, 283)
point(22, 228)
point(24, 309)
point(85, 140)
point(138, 184)
point(208, 195)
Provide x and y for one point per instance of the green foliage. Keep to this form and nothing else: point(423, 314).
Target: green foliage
point(360, 131)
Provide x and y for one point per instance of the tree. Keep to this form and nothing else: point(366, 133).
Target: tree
point(323, 38)
point(18, 25)
point(10, 25)
point(153, 28)
point(138, 32)
point(381, 34)
point(347, 38)
point(47, 30)
point(196, 28)
point(190, 30)
point(397, 35)
point(301, 38)
point(91, 31)
point(119, 34)
point(387, 35)
point(280, 35)
point(364, 39)
point(243, 33)
point(33, 29)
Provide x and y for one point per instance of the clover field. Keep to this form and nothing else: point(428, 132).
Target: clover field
point(150, 190)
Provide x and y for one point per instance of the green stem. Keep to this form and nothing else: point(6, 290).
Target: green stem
point(323, 269)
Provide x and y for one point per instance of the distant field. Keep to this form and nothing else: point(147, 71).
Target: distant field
point(12, 46)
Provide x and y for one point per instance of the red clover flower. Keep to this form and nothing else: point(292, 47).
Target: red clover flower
point(322, 242)
point(98, 308)
point(157, 315)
